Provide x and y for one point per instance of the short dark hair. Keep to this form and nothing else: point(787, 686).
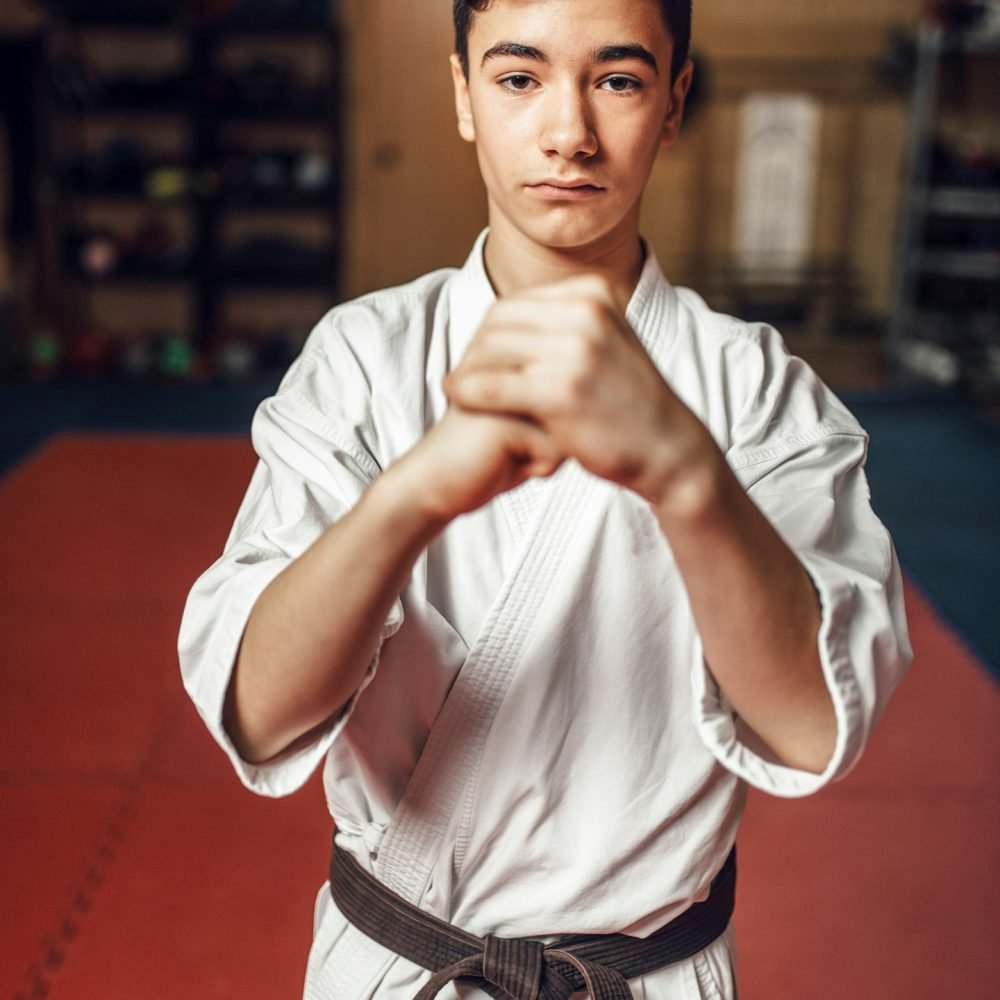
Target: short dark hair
point(676, 16)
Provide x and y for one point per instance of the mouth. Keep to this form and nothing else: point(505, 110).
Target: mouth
point(565, 190)
point(567, 183)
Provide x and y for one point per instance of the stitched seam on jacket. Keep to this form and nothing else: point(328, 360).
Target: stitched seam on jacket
point(789, 445)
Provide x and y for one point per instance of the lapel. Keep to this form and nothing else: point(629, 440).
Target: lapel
point(438, 790)
point(543, 516)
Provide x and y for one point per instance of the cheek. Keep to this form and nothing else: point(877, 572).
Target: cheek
point(633, 144)
point(503, 144)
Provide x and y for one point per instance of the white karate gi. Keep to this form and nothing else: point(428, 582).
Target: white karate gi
point(583, 772)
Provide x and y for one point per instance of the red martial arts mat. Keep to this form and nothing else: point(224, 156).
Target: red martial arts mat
point(134, 864)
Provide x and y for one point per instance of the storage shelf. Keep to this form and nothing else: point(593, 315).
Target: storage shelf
point(965, 202)
point(284, 202)
point(320, 31)
point(203, 94)
point(928, 319)
point(120, 109)
point(946, 313)
point(972, 43)
point(208, 28)
point(314, 113)
point(238, 281)
point(128, 196)
point(136, 22)
point(967, 265)
point(123, 278)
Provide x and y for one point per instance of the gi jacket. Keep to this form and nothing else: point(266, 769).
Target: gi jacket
point(539, 747)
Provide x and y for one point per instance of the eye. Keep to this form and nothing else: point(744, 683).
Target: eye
point(621, 85)
point(519, 83)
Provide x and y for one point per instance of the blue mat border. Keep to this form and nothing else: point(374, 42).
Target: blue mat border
point(988, 664)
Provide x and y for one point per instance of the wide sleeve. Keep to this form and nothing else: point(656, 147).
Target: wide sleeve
point(314, 465)
point(800, 455)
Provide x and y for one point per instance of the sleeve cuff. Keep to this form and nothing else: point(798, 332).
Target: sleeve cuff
point(741, 752)
point(207, 687)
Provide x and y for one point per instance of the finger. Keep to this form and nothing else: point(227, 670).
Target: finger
point(579, 286)
point(496, 391)
point(540, 456)
point(529, 315)
point(522, 332)
point(557, 310)
point(501, 347)
point(537, 356)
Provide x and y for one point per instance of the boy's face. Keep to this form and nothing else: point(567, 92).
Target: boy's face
point(568, 102)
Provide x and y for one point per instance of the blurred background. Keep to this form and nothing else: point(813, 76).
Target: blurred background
point(186, 186)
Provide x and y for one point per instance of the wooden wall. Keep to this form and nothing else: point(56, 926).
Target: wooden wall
point(417, 199)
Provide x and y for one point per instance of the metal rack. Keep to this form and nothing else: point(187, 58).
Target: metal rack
point(954, 342)
point(207, 276)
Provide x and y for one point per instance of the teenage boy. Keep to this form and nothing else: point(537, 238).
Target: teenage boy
point(547, 562)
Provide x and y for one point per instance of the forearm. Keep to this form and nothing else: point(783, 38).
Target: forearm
point(315, 628)
point(565, 358)
point(756, 610)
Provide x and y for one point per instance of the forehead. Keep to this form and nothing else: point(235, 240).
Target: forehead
point(570, 25)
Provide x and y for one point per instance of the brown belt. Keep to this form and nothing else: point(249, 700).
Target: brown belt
point(522, 968)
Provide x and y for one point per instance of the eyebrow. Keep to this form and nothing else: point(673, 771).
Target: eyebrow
point(617, 53)
point(607, 54)
point(515, 49)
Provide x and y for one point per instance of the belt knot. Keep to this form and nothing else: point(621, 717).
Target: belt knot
point(524, 969)
point(515, 965)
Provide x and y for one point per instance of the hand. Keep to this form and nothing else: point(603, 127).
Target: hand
point(564, 357)
point(467, 459)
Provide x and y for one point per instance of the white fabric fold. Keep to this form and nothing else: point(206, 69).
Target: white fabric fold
point(592, 780)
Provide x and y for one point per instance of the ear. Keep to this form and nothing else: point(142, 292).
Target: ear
point(675, 113)
point(463, 105)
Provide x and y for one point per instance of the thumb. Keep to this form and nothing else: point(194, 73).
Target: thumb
point(533, 448)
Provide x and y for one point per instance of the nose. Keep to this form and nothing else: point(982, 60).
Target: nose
point(569, 127)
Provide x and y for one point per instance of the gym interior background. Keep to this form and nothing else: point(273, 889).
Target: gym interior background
point(187, 185)
point(190, 185)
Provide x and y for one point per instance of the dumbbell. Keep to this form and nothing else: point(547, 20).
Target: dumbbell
point(235, 358)
point(175, 358)
point(44, 353)
point(88, 352)
point(98, 254)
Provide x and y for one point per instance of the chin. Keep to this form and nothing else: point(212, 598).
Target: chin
point(571, 231)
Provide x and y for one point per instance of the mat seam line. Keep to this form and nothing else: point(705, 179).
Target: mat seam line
point(56, 945)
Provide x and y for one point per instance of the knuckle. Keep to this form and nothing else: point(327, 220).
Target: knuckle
point(488, 390)
point(565, 392)
point(498, 312)
point(600, 314)
point(586, 317)
point(602, 286)
point(598, 287)
point(585, 352)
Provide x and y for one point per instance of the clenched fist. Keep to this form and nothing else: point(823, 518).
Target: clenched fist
point(564, 358)
point(468, 458)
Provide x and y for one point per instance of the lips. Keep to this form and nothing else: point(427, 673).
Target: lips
point(561, 190)
point(567, 185)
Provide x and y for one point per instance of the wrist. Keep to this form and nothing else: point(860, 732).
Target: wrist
point(693, 490)
point(405, 505)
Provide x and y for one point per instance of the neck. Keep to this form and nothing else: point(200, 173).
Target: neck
point(515, 263)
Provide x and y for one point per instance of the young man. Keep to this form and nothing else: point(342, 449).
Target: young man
point(546, 561)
